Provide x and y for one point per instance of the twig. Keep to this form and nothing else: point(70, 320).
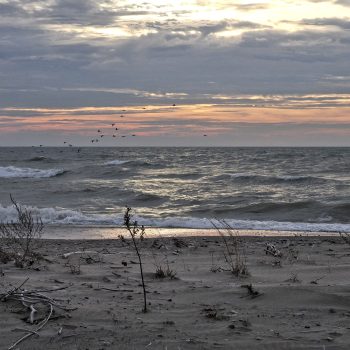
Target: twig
point(117, 290)
point(14, 290)
point(317, 279)
point(32, 312)
point(33, 332)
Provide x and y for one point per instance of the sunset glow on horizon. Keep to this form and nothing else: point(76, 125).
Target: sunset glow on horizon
point(241, 72)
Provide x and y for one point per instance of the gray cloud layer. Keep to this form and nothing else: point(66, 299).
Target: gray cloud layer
point(56, 53)
point(174, 57)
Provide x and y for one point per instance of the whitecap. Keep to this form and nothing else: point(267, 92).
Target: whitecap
point(115, 162)
point(12, 172)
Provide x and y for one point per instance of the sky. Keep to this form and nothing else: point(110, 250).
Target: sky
point(244, 73)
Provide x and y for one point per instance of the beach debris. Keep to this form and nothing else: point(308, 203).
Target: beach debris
point(271, 249)
point(251, 291)
point(213, 313)
point(76, 258)
point(293, 278)
point(345, 236)
point(81, 253)
point(33, 300)
point(315, 281)
point(179, 243)
point(157, 244)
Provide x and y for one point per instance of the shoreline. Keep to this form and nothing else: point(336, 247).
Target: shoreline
point(75, 232)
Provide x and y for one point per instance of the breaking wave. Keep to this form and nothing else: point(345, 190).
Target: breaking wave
point(11, 172)
point(60, 216)
point(116, 162)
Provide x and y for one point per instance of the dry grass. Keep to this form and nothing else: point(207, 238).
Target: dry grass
point(19, 238)
point(233, 248)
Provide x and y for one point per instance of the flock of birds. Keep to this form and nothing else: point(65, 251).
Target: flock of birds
point(100, 134)
point(115, 129)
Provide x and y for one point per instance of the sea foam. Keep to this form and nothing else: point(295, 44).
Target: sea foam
point(116, 162)
point(11, 172)
point(61, 216)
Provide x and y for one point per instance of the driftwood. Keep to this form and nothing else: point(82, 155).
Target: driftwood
point(80, 252)
point(29, 299)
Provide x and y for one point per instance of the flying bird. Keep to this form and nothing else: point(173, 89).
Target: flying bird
point(113, 124)
point(98, 130)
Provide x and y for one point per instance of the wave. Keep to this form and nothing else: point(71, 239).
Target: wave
point(182, 176)
point(12, 172)
point(38, 159)
point(272, 179)
point(116, 162)
point(59, 216)
point(133, 162)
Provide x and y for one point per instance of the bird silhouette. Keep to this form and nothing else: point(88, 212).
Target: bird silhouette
point(98, 130)
point(113, 124)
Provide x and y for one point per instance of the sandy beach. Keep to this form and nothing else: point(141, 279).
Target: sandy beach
point(301, 302)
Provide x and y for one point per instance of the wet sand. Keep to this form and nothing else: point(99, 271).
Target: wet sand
point(303, 299)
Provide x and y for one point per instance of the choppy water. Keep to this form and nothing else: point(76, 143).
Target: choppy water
point(261, 188)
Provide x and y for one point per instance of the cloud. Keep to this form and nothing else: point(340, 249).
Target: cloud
point(324, 22)
point(66, 54)
point(343, 2)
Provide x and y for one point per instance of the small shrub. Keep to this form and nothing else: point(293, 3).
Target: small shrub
point(345, 236)
point(164, 273)
point(74, 266)
point(253, 293)
point(21, 236)
point(161, 270)
point(233, 249)
point(137, 234)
